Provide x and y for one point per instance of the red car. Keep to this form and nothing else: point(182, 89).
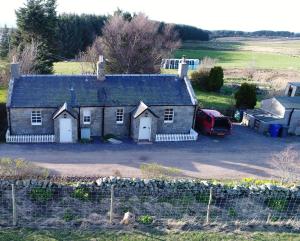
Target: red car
point(212, 122)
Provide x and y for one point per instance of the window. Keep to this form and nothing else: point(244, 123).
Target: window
point(36, 118)
point(120, 116)
point(86, 117)
point(169, 116)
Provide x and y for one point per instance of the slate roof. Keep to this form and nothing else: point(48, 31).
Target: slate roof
point(289, 102)
point(86, 90)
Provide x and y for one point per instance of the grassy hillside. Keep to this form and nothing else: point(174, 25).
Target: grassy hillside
point(242, 53)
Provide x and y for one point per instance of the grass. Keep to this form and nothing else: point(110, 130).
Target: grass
point(244, 59)
point(242, 53)
point(154, 170)
point(3, 94)
point(68, 235)
point(212, 100)
point(67, 68)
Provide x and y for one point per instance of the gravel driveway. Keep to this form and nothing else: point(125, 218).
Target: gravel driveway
point(243, 154)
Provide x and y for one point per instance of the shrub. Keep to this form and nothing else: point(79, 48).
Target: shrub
point(215, 79)
point(108, 136)
point(203, 197)
point(68, 215)
point(246, 96)
point(82, 193)
point(41, 195)
point(232, 212)
point(3, 121)
point(145, 219)
point(277, 204)
point(19, 168)
point(200, 79)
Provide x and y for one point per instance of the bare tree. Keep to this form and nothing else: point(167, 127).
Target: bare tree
point(207, 64)
point(26, 57)
point(136, 46)
point(286, 163)
point(89, 58)
point(4, 74)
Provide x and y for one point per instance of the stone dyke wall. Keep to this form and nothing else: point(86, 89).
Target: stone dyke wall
point(136, 186)
point(90, 204)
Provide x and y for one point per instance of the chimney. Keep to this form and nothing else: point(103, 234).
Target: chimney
point(183, 68)
point(100, 68)
point(15, 69)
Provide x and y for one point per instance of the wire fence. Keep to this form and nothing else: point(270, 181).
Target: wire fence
point(88, 207)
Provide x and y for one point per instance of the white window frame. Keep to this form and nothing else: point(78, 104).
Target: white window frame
point(87, 114)
point(36, 118)
point(169, 115)
point(120, 116)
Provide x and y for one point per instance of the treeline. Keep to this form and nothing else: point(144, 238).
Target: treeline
point(261, 33)
point(187, 32)
point(74, 33)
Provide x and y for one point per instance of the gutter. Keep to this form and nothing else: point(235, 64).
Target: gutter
point(103, 121)
point(290, 117)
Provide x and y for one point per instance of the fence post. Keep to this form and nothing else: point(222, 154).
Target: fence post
point(111, 203)
point(14, 214)
point(208, 205)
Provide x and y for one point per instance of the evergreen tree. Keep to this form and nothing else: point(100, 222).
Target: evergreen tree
point(37, 21)
point(4, 43)
point(246, 96)
point(215, 79)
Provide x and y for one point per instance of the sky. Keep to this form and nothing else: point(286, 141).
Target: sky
point(246, 15)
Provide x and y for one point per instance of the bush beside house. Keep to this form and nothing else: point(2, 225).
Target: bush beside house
point(209, 79)
point(3, 121)
point(246, 96)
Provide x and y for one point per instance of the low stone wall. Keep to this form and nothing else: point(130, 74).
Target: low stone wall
point(94, 203)
point(136, 186)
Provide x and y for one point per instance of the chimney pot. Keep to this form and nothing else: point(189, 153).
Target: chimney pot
point(101, 68)
point(183, 68)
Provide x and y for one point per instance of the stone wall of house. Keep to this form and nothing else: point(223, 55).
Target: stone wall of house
point(96, 120)
point(74, 126)
point(295, 122)
point(183, 119)
point(110, 124)
point(20, 120)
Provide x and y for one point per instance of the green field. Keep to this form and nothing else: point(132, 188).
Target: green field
point(3, 94)
point(67, 235)
point(262, 54)
point(67, 68)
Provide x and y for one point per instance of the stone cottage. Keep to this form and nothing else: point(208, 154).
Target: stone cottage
point(67, 108)
point(284, 110)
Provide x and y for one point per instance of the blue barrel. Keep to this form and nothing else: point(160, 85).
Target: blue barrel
point(274, 129)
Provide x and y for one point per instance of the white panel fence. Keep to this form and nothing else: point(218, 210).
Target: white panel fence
point(29, 138)
point(192, 136)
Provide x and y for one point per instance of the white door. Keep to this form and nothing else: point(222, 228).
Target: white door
point(65, 130)
point(145, 128)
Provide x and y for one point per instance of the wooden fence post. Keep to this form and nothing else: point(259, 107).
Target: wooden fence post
point(14, 208)
point(208, 205)
point(111, 204)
